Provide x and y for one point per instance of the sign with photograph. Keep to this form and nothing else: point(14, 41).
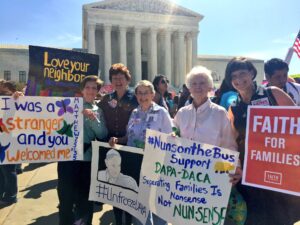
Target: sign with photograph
point(115, 178)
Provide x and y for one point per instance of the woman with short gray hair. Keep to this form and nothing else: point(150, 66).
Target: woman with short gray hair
point(199, 71)
point(203, 120)
point(148, 115)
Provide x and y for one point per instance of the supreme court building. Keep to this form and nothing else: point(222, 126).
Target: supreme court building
point(149, 36)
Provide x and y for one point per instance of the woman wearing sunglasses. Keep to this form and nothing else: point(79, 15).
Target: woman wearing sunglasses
point(162, 96)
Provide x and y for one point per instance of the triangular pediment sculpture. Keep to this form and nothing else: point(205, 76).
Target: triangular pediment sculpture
point(163, 7)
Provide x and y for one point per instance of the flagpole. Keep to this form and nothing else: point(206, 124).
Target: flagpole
point(290, 52)
point(289, 55)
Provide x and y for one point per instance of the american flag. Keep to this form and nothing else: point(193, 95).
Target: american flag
point(296, 46)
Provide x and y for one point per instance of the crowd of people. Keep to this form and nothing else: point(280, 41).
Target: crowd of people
point(122, 117)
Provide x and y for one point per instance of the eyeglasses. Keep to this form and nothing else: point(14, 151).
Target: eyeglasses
point(143, 93)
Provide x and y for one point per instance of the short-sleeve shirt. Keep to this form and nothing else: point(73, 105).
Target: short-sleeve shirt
point(293, 90)
point(208, 124)
point(117, 112)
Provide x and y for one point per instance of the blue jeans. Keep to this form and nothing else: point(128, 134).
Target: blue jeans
point(8, 183)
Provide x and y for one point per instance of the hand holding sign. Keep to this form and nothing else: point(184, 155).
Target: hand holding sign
point(186, 182)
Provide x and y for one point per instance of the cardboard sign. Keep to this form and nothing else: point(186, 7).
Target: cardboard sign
point(272, 154)
point(40, 129)
point(57, 72)
point(186, 182)
point(115, 178)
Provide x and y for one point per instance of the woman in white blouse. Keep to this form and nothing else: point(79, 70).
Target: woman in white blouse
point(203, 120)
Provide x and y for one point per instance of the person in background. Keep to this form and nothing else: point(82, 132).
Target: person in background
point(184, 97)
point(148, 115)
point(117, 108)
point(162, 96)
point(74, 177)
point(176, 101)
point(207, 122)
point(8, 174)
point(263, 206)
point(276, 71)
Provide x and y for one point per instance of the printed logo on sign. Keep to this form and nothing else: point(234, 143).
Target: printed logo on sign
point(273, 177)
point(262, 101)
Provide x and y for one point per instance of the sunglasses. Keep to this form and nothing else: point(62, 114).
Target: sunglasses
point(164, 81)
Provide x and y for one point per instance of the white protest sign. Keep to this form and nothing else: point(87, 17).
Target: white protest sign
point(40, 129)
point(186, 182)
point(115, 178)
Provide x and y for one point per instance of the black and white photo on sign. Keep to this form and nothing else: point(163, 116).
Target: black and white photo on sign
point(113, 172)
point(115, 178)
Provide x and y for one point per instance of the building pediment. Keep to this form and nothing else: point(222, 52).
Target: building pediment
point(163, 7)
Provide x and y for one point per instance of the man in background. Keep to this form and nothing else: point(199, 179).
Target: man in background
point(276, 71)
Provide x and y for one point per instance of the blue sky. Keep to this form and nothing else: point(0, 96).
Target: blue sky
point(256, 28)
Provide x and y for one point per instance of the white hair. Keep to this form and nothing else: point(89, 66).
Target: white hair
point(145, 83)
point(199, 71)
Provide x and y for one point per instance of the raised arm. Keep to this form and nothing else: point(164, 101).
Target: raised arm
point(282, 98)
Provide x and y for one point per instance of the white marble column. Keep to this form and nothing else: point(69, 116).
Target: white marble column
point(123, 47)
point(181, 58)
point(91, 38)
point(168, 61)
point(189, 53)
point(107, 51)
point(137, 54)
point(153, 54)
point(194, 48)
